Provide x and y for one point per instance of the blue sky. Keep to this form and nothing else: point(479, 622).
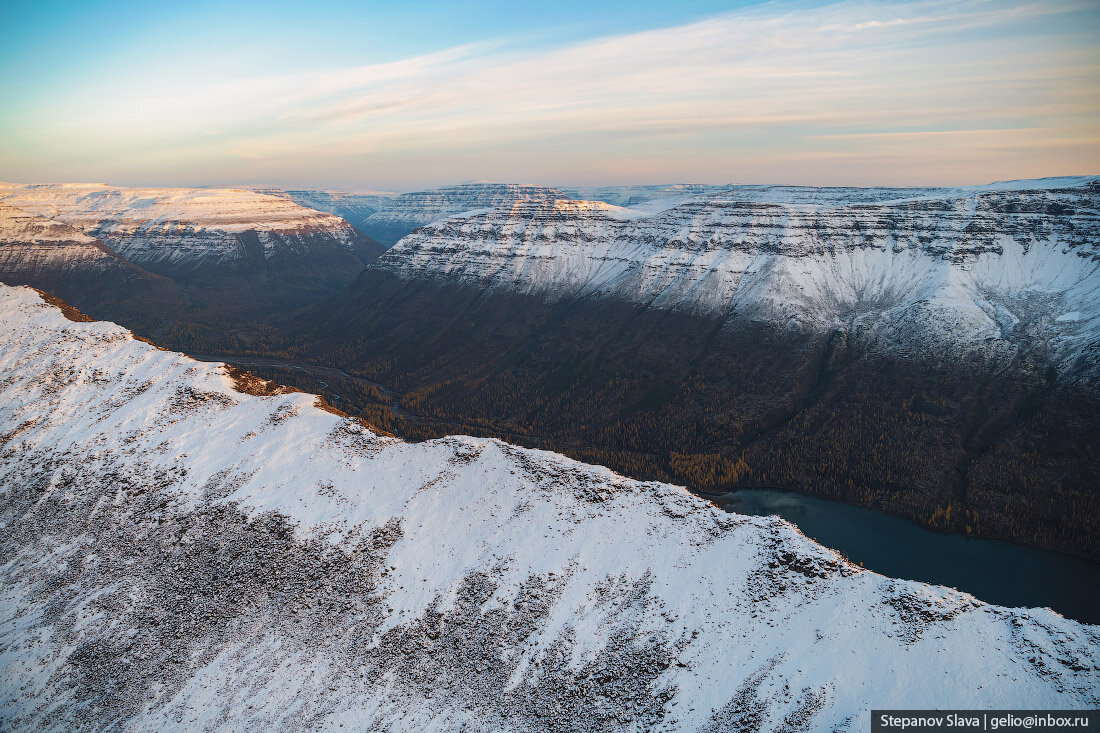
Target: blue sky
point(363, 95)
point(326, 33)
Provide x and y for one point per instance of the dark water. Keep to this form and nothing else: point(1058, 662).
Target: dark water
point(993, 571)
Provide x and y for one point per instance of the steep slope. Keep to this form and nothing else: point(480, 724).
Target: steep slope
point(235, 241)
point(32, 246)
point(53, 256)
point(177, 554)
point(641, 196)
point(411, 210)
point(355, 208)
point(984, 268)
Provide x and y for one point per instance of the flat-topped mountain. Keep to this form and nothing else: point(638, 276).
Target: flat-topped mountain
point(355, 208)
point(17, 226)
point(184, 546)
point(208, 236)
point(991, 268)
point(56, 257)
point(173, 260)
point(408, 211)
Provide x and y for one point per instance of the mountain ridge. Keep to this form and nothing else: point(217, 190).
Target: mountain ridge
point(954, 391)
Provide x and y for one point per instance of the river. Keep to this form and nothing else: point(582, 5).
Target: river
point(994, 571)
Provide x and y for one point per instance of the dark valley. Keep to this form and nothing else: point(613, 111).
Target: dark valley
point(930, 353)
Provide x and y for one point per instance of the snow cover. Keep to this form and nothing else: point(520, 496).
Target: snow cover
point(22, 227)
point(355, 207)
point(34, 244)
point(987, 267)
point(652, 196)
point(177, 554)
point(410, 210)
point(166, 225)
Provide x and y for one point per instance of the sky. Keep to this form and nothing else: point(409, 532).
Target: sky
point(399, 96)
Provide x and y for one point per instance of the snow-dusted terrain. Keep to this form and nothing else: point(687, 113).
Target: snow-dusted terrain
point(178, 554)
point(995, 268)
point(639, 196)
point(355, 207)
point(33, 248)
point(408, 211)
point(22, 227)
point(175, 231)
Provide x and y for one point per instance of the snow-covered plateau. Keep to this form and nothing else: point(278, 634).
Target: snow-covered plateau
point(355, 207)
point(993, 268)
point(406, 212)
point(173, 230)
point(184, 548)
point(22, 227)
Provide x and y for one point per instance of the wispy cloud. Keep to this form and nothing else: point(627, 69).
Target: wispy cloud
point(733, 87)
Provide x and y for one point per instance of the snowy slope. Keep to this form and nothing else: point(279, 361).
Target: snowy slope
point(177, 554)
point(355, 208)
point(18, 226)
point(640, 195)
point(174, 230)
point(43, 251)
point(408, 211)
point(990, 267)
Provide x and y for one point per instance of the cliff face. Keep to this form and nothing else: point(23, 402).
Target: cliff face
point(178, 553)
point(208, 236)
point(411, 210)
point(43, 248)
point(995, 269)
point(21, 227)
point(53, 256)
point(355, 208)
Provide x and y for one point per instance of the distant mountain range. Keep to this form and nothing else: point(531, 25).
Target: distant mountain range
point(412, 210)
point(1001, 269)
point(355, 208)
point(389, 217)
